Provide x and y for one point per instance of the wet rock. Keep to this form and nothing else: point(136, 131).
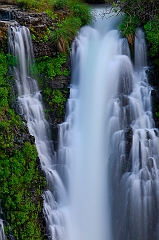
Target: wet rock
point(124, 100)
point(148, 135)
point(153, 93)
point(60, 82)
point(38, 23)
point(156, 132)
point(129, 134)
point(152, 76)
point(42, 49)
point(150, 164)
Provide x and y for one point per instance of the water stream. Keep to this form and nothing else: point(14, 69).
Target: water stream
point(31, 108)
point(103, 181)
point(2, 234)
point(109, 142)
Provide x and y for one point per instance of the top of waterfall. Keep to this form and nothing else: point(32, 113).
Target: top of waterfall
point(104, 18)
point(10, 23)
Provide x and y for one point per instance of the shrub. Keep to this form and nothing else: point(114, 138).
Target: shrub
point(152, 35)
point(66, 32)
point(129, 25)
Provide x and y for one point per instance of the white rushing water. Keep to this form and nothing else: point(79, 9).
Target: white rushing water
point(109, 143)
point(84, 135)
point(2, 234)
point(30, 103)
point(134, 160)
point(103, 181)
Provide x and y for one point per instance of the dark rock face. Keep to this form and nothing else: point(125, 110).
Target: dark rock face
point(29, 19)
point(38, 23)
point(59, 82)
point(42, 49)
point(153, 80)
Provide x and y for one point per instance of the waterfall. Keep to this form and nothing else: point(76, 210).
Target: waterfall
point(103, 181)
point(83, 137)
point(30, 105)
point(108, 143)
point(2, 234)
point(134, 159)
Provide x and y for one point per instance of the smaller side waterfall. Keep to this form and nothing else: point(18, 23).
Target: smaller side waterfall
point(30, 103)
point(2, 234)
point(140, 50)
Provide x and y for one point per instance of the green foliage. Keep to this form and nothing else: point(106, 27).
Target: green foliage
point(4, 95)
point(33, 36)
point(80, 10)
point(11, 60)
point(49, 67)
point(51, 14)
point(20, 182)
point(25, 4)
point(56, 100)
point(21, 185)
point(69, 24)
point(60, 4)
point(67, 30)
point(70, 16)
point(129, 25)
point(39, 5)
point(152, 36)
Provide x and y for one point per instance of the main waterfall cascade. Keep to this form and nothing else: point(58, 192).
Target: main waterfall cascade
point(103, 180)
point(109, 143)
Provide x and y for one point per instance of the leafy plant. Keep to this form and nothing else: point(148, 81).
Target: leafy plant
point(60, 4)
point(129, 25)
point(21, 185)
point(81, 11)
point(66, 32)
point(33, 36)
point(25, 4)
point(152, 35)
point(51, 14)
point(56, 100)
point(49, 67)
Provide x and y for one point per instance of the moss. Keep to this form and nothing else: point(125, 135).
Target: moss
point(46, 68)
point(21, 185)
point(74, 12)
point(152, 34)
point(55, 101)
point(61, 32)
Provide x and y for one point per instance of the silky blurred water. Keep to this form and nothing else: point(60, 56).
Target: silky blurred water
point(103, 181)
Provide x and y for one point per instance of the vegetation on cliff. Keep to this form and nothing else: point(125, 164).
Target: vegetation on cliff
point(20, 180)
point(67, 18)
point(139, 13)
point(21, 184)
